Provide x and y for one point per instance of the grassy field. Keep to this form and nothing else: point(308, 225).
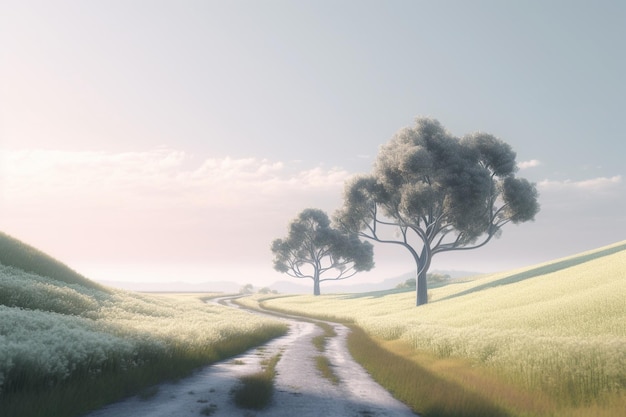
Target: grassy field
point(545, 340)
point(68, 345)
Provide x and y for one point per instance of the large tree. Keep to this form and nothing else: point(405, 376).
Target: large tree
point(437, 193)
point(314, 249)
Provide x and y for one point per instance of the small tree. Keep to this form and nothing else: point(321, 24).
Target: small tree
point(431, 279)
point(438, 193)
point(313, 249)
point(246, 289)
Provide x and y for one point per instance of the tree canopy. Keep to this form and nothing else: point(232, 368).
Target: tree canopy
point(437, 193)
point(314, 249)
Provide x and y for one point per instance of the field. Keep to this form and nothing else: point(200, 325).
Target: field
point(554, 333)
point(74, 345)
point(547, 340)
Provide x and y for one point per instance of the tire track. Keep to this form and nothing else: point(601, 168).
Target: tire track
point(299, 387)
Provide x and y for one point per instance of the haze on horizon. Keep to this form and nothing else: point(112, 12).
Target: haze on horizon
point(152, 141)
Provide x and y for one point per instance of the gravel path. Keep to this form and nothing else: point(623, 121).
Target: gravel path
point(300, 390)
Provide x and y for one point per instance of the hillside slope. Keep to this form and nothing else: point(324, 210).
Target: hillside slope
point(558, 328)
point(68, 345)
point(22, 256)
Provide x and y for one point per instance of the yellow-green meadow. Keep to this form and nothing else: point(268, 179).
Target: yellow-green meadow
point(557, 329)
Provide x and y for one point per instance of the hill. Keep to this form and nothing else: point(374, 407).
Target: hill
point(556, 330)
point(22, 256)
point(69, 345)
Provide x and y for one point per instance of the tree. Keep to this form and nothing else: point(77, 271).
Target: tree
point(438, 193)
point(313, 249)
point(431, 279)
point(246, 289)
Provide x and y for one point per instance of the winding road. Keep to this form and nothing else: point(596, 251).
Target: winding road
point(300, 389)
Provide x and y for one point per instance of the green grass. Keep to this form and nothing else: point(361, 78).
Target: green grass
point(427, 393)
point(554, 332)
point(81, 392)
point(320, 341)
point(326, 369)
point(255, 391)
point(68, 346)
point(321, 362)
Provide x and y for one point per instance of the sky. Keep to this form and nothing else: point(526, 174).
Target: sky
point(174, 140)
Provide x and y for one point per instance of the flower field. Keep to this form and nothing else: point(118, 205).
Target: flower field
point(58, 337)
point(558, 328)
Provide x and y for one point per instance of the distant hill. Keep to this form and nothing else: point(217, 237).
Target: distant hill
point(299, 286)
point(286, 286)
point(19, 255)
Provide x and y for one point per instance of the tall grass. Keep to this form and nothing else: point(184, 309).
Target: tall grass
point(558, 329)
point(426, 392)
point(322, 363)
point(320, 341)
point(66, 348)
point(255, 391)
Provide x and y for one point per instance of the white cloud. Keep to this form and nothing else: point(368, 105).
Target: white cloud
point(601, 199)
point(593, 184)
point(529, 164)
point(162, 205)
point(601, 183)
point(168, 206)
point(162, 177)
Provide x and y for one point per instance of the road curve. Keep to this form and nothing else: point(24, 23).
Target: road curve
point(300, 389)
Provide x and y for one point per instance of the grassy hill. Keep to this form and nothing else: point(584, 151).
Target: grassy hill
point(25, 257)
point(556, 331)
point(68, 345)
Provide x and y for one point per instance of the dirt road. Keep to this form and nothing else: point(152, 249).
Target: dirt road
point(300, 389)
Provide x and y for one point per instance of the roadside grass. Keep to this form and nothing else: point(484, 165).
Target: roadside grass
point(80, 393)
point(68, 347)
point(322, 363)
point(326, 368)
point(547, 340)
point(424, 391)
point(148, 393)
point(320, 341)
point(255, 391)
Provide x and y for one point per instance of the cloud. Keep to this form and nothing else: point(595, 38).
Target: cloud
point(600, 199)
point(161, 205)
point(166, 206)
point(529, 164)
point(600, 184)
point(161, 177)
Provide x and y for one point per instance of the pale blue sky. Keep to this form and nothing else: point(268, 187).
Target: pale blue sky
point(147, 135)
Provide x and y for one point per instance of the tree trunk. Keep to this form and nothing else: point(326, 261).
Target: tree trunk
point(421, 282)
point(316, 282)
point(421, 288)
